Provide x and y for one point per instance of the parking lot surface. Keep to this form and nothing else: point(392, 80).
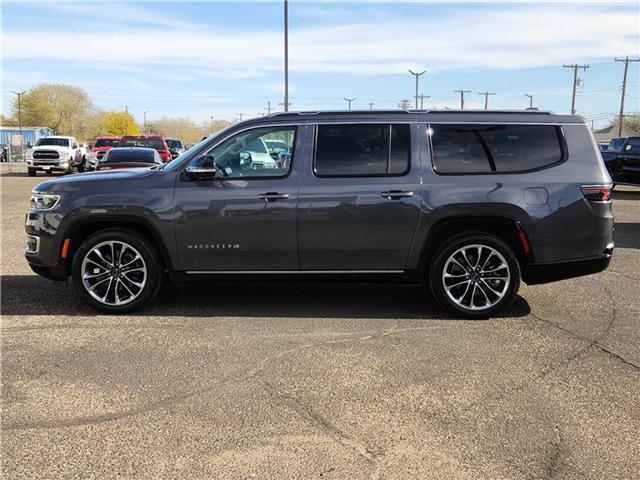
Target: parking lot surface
point(277, 381)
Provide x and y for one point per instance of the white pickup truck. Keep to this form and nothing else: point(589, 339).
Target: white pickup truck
point(53, 154)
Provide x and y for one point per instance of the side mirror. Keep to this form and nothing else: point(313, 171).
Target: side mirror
point(202, 168)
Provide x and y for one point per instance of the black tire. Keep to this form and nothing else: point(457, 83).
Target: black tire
point(147, 251)
point(31, 172)
point(437, 281)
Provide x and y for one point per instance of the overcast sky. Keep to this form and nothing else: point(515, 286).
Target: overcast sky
point(199, 59)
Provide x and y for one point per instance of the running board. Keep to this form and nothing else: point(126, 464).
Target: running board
point(287, 272)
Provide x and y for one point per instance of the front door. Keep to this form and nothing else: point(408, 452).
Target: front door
point(360, 199)
point(245, 217)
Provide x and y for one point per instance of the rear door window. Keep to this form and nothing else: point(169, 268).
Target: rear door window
point(483, 148)
point(362, 150)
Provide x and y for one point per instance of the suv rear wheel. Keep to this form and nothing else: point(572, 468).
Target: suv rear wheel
point(475, 276)
point(117, 271)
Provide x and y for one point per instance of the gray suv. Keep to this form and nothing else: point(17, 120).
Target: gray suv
point(468, 202)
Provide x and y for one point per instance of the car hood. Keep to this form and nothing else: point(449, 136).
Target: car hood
point(91, 179)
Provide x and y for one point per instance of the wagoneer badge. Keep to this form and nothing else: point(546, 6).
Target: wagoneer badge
point(214, 246)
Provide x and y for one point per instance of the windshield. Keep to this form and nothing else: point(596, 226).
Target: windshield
point(178, 160)
point(156, 143)
point(106, 142)
point(174, 144)
point(58, 142)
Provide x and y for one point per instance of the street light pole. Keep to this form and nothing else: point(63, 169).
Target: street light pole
point(211, 124)
point(349, 100)
point(286, 56)
point(530, 97)
point(417, 75)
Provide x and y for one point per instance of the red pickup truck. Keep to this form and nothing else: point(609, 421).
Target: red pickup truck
point(152, 141)
point(101, 146)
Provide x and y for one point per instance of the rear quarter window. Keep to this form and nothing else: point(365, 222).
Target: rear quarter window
point(483, 148)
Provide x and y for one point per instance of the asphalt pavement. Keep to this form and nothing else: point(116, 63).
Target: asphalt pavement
point(279, 381)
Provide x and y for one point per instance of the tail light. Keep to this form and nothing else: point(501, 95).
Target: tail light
point(165, 155)
point(597, 193)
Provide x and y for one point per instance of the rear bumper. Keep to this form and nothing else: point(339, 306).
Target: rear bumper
point(537, 273)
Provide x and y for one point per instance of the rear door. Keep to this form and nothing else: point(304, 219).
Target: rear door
point(360, 197)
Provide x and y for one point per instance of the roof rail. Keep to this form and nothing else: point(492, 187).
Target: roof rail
point(387, 111)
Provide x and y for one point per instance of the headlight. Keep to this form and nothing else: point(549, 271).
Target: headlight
point(29, 155)
point(44, 201)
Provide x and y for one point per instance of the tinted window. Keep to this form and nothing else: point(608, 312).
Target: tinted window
point(175, 144)
point(246, 154)
point(156, 143)
point(130, 155)
point(106, 142)
point(633, 145)
point(362, 150)
point(494, 148)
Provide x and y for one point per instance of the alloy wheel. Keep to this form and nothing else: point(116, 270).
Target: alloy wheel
point(476, 277)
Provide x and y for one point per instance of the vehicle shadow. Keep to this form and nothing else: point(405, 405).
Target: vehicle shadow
point(627, 235)
point(33, 295)
point(626, 195)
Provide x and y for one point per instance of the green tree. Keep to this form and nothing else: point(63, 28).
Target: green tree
point(63, 108)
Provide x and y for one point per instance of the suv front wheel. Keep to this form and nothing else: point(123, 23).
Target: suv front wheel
point(475, 276)
point(117, 271)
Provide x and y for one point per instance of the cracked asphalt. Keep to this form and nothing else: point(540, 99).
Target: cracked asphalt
point(259, 381)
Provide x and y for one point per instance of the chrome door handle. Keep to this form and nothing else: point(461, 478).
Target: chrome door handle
point(273, 196)
point(391, 194)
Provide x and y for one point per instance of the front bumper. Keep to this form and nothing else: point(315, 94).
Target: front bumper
point(537, 273)
point(48, 167)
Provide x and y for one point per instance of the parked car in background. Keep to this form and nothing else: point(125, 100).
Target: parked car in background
point(603, 146)
point(53, 154)
point(624, 164)
point(101, 146)
point(615, 144)
point(80, 160)
point(176, 146)
point(276, 147)
point(151, 141)
point(469, 203)
point(129, 157)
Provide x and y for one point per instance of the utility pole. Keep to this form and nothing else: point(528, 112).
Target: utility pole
point(575, 68)
point(286, 108)
point(370, 105)
point(486, 98)
point(417, 75)
point(19, 94)
point(211, 118)
point(126, 120)
point(462, 92)
point(145, 121)
point(626, 61)
point(349, 100)
point(530, 97)
point(240, 116)
point(268, 108)
point(404, 104)
point(422, 96)
point(286, 56)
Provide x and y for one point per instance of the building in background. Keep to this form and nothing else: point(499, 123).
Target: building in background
point(29, 134)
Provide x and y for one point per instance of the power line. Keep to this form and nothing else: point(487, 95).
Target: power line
point(486, 98)
point(626, 61)
point(422, 96)
point(575, 68)
point(462, 92)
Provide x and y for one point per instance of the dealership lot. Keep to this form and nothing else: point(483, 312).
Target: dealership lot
point(320, 380)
